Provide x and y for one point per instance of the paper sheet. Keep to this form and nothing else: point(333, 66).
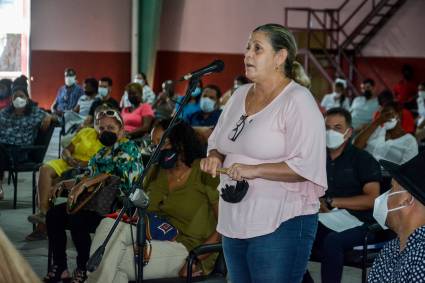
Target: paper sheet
point(339, 220)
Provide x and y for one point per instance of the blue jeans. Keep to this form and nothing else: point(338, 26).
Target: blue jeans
point(278, 257)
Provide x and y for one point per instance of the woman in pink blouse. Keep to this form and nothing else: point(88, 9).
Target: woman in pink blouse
point(139, 116)
point(272, 135)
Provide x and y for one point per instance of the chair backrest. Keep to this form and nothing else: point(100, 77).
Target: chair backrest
point(43, 139)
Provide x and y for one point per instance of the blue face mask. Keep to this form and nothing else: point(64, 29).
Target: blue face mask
point(207, 104)
point(196, 92)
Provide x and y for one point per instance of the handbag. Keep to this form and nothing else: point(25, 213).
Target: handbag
point(98, 197)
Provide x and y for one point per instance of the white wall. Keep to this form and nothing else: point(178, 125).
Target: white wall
point(81, 25)
point(222, 26)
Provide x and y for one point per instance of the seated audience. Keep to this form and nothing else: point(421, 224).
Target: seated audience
point(402, 209)
point(166, 101)
point(363, 107)
point(193, 105)
point(210, 111)
point(139, 116)
point(420, 131)
point(84, 145)
point(181, 194)
point(91, 89)
point(405, 89)
point(237, 82)
point(20, 123)
point(337, 98)
point(119, 157)
point(148, 94)
point(385, 139)
point(5, 92)
point(14, 268)
point(353, 184)
point(68, 95)
point(105, 99)
point(407, 121)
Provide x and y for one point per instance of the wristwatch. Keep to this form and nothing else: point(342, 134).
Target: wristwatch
point(329, 200)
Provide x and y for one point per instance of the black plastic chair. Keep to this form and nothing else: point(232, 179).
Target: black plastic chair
point(36, 154)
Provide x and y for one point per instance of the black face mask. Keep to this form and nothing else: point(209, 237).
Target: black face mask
point(235, 194)
point(367, 94)
point(167, 158)
point(108, 138)
point(89, 92)
point(134, 100)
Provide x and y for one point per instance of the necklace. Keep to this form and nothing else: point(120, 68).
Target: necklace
point(182, 176)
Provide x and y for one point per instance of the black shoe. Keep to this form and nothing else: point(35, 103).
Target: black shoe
point(79, 276)
point(55, 275)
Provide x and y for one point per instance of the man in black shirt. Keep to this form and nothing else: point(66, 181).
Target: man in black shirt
point(104, 91)
point(353, 184)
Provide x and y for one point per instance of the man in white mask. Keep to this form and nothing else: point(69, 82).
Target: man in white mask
point(402, 209)
point(353, 184)
point(68, 94)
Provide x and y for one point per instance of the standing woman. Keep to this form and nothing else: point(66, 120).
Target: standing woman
point(271, 134)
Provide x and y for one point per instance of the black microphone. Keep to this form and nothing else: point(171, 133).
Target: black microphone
point(215, 67)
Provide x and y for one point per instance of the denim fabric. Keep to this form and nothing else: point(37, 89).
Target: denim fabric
point(278, 257)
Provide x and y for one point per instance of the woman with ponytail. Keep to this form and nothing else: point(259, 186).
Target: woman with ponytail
point(270, 144)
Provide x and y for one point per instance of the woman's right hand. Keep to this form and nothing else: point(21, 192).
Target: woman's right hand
point(211, 164)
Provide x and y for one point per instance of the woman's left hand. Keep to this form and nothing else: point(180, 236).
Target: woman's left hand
point(239, 172)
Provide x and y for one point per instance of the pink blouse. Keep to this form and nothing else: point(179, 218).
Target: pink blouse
point(133, 120)
point(290, 129)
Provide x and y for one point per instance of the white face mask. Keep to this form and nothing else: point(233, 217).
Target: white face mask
point(19, 102)
point(139, 81)
point(390, 124)
point(103, 91)
point(380, 208)
point(69, 80)
point(421, 94)
point(334, 139)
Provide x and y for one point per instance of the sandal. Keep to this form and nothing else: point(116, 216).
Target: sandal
point(79, 276)
point(56, 275)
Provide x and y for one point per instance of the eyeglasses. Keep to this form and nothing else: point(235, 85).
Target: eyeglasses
point(111, 114)
point(236, 131)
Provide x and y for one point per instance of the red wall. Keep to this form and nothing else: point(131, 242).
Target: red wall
point(171, 65)
point(389, 69)
point(47, 71)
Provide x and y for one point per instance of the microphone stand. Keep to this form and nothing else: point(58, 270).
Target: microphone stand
point(139, 199)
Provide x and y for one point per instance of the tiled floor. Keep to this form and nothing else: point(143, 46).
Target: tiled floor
point(16, 226)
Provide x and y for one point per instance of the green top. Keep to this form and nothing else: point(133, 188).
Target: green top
point(189, 208)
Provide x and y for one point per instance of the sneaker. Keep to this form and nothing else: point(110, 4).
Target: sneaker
point(36, 236)
point(37, 218)
point(79, 276)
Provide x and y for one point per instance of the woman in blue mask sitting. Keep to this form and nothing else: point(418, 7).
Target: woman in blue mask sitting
point(184, 197)
point(193, 105)
point(210, 111)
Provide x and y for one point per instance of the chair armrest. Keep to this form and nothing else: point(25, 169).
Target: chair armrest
point(207, 248)
point(200, 250)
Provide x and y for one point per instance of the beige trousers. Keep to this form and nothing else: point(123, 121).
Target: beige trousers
point(117, 266)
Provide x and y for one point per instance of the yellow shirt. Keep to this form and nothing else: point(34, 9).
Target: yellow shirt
point(86, 144)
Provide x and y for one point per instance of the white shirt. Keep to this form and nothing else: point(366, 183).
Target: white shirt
point(332, 100)
point(362, 110)
point(397, 150)
point(85, 103)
